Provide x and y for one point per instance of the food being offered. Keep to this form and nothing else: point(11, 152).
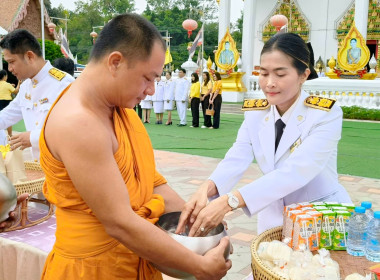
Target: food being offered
point(8, 197)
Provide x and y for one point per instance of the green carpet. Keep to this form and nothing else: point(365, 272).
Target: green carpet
point(358, 151)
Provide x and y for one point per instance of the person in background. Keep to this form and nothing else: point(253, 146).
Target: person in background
point(169, 96)
point(205, 97)
point(65, 64)
point(194, 99)
point(181, 95)
point(42, 84)
point(158, 100)
point(292, 136)
point(146, 106)
point(6, 91)
point(216, 99)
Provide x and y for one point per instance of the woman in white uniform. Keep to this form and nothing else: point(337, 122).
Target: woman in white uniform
point(158, 100)
point(293, 137)
point(146, 106)
point(169, 97)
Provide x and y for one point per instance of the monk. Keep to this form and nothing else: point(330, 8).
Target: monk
point(100, 169)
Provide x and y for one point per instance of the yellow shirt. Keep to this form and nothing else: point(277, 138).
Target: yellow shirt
point(195, 90)
point(206, 88)
point(217, 86)
point(5, 90)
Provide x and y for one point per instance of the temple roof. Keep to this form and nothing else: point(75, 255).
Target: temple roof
point(12, 12)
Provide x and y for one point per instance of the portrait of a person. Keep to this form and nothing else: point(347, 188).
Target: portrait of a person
point(226, 56)
point(353, 53)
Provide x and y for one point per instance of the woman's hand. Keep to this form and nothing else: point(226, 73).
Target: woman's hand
point(210, 216)
point(13, 214)
point(211, 101)
point(192, 208)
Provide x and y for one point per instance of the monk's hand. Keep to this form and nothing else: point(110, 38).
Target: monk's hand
point(214, 265)
point(21, 141)
point(13, 214)
point(192, 208)
point(210, 216)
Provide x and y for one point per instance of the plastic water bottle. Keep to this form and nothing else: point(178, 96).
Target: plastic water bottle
point(356, 239)
point(368, 209)
point(372, 248)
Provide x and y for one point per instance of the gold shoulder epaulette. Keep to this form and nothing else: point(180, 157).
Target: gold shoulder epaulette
point(321, 103)
point(255, 104)
point(57, 74)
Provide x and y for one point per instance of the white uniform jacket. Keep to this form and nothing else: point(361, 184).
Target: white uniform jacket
point(304, 168)
point(33, 102)
point(169, 90)
point(181, 90)
point(158, 91)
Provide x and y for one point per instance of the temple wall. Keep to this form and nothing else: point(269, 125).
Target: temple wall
point(321, 14)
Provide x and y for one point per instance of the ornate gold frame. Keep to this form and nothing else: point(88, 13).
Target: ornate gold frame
point(345, 46)
point(227, 38)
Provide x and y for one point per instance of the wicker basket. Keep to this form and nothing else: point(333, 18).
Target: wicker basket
point(347, 264)
point(33, 186)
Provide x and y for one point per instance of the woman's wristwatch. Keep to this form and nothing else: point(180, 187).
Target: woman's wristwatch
point(232, 201)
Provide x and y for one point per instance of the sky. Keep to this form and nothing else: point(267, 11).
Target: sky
point(140, 6)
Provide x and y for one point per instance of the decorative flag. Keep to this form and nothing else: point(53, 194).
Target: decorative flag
point(197, 41)
point(65, 46)
point(168, 56)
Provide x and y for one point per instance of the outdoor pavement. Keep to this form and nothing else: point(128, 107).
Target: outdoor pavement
point(185, 173)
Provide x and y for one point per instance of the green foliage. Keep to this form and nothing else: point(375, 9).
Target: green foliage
point(168, 15)
point(52, 50)
point(359, 113)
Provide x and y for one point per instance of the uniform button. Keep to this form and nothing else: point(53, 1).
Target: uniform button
point(34, 86)
point(36, 123)
point(35, 104)
point(35, 160)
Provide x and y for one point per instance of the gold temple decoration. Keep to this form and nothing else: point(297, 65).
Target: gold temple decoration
point(373, 25)
point(297, 21)
point(209, 63)
point(353, 56)
point(227, 55)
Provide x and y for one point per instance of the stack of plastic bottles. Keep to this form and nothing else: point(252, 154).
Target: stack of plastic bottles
point(364, 233)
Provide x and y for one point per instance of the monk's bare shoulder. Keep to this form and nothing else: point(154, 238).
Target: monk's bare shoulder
point(73, 127)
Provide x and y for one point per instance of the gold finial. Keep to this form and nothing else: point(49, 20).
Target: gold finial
point(332, 64)
point(218, 1)
point(209, 63)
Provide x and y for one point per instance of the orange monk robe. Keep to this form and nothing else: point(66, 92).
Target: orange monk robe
point(83, 249)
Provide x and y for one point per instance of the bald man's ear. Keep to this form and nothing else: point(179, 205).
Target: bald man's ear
point(114, 61)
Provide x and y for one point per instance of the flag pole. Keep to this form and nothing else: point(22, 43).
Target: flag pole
point(42, 28)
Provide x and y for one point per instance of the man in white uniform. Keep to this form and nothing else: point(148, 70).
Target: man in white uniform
point(41, 87)
point(181, 96)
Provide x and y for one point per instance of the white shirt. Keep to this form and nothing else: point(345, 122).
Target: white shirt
point(304, 168)
point(159, 91)
point(169, 90)
point(33, 102)
point(181, 90)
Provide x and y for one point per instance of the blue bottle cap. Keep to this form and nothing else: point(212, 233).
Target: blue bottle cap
point(359, 209)
point(366, 204)
point(377, 215)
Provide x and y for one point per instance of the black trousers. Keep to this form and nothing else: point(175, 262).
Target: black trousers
point(139, 110)
point(207, 119)
point(195, 110)
point(217, 107)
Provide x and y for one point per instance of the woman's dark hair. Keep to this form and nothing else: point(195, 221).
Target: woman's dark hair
point(3, 73)
point(218, 77)
point(353, 39)
point(292, 45)
point(207, 80)
point(169, 72)
point(196, 78)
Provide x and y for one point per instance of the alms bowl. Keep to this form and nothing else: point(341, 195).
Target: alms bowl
point(199, 245)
